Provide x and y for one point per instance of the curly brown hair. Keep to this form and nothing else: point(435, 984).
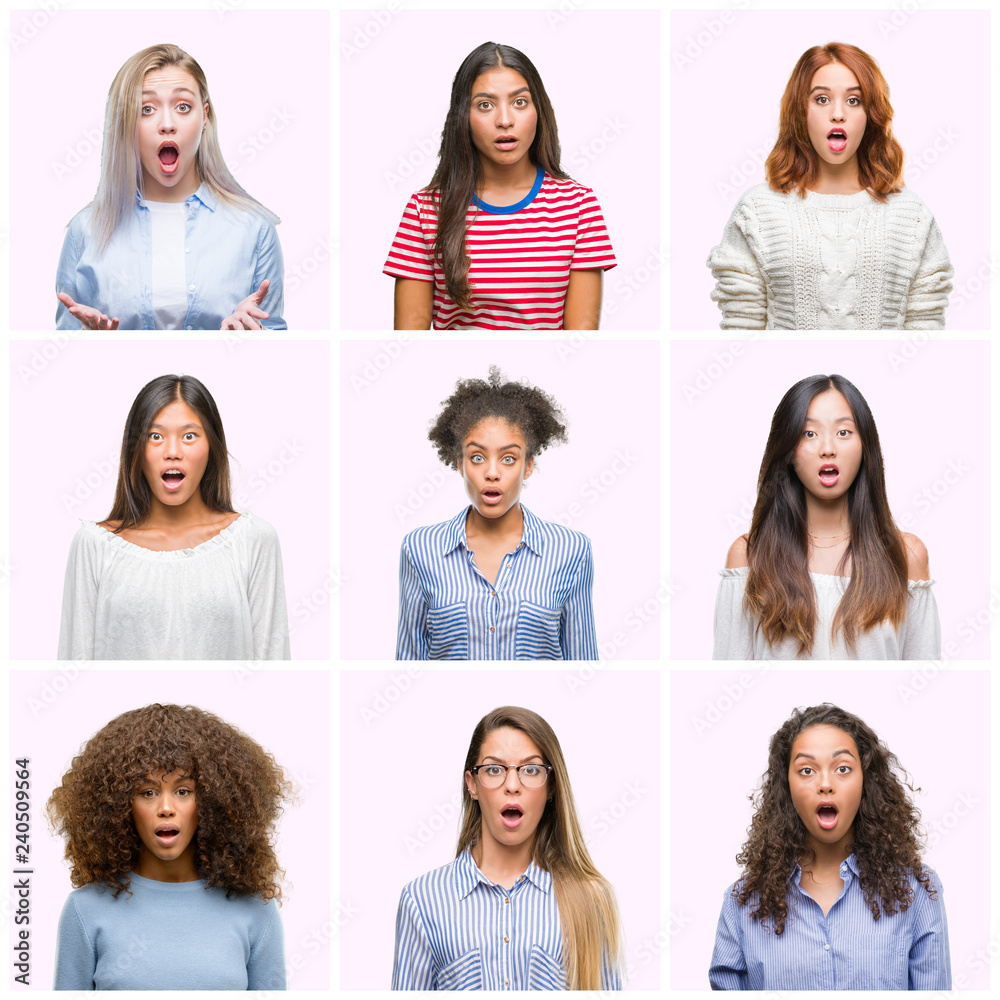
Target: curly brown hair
point(885, 832)
point(240, 789)
point(534, 413)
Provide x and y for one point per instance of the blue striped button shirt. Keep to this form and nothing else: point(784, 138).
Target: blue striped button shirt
point(539, 607)
point(457, 930)
point(845, 950)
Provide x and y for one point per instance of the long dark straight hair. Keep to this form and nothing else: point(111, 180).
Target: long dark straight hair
point(132, 494)
point(457, 173)
point(779, 592)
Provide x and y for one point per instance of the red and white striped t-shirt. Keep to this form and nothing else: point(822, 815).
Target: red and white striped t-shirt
point(521, 255)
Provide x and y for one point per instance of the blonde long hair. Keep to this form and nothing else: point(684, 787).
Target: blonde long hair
point(588, 909)
point(121, 169)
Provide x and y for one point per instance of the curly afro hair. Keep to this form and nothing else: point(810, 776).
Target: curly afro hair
point(885, 831)
point(240, 789)
point(535, 414)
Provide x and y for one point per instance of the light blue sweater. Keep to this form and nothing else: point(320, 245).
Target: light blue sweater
point(169, 936)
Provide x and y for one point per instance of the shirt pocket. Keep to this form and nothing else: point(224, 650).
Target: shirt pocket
point(448, 632)
point(465, 973)
point(544, 972)
point(537, 636)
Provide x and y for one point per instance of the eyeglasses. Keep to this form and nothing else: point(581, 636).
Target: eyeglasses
point(495, 775)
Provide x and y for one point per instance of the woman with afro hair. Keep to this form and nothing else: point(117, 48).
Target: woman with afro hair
point(495, 582)
point(834, 895)
point(168, 815)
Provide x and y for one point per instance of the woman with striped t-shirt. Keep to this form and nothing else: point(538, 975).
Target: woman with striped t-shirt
point(522, 906)
point(495, 582)
point(501, 239)
point(834, 895)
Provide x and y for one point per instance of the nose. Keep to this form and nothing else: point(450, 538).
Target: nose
point(828, 446)
point(513, 782)
point(493, 471)
point(838, 111)
point(173, 448)
point(164, 807)
point(505, 116)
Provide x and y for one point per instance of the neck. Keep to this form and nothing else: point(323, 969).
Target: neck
point(500, 863)
point(827, 517)
point(838, 178)
point(497, 177)
point(181, 869)
point(509, 524)
point(165, 517)
point(827, 858)
point(152, 190)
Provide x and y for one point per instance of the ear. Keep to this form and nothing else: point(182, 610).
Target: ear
point(204, 114)
point(470, 783)
point(528, 467)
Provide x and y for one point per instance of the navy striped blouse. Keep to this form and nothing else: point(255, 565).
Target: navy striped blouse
point(845, 950)
point(457, 930)
point(539, 608)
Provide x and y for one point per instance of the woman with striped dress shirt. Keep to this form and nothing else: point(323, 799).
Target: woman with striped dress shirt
point(522, 906)
point(834, 895)
point(495, 582)
point(502, 238)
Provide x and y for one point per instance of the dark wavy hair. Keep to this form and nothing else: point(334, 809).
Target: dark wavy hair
point(794, 163)
point(457, 175)
point(779, 593)
point(534, 413)
point(240, 789)
point(885, 832)
point(132, 493)
point(588, 910)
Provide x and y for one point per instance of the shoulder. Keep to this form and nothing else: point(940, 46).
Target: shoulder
point(907, 200)
point(761, 196)
point(90, 537)
point(736, 557)
point(81, 225)
point(428, 888)
point(567, 193)
point(430, 536)
point(917, 561)
point(91, 899)
point(568, 539)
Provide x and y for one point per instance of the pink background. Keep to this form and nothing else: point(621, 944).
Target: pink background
point(395, 88)
point(67, 423)
point(925, 421)
point(54, 713)
point(259, 64)
point(724, 115)
point(610, 394)
point(412, 826)
point(938, 725)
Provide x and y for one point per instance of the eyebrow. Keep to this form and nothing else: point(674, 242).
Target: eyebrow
point(182, 427)
point(839, 420)
point(482, 447)
point(836, 753)
point(513, 93)
point(813, 91)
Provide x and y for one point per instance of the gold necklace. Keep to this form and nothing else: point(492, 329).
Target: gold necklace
point(846, 534)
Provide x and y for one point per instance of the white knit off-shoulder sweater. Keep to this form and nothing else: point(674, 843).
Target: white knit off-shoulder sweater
point(831, 262)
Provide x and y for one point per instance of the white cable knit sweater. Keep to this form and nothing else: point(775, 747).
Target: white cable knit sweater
point(831, 262)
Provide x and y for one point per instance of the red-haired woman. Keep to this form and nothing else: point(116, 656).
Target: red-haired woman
point(832, 241)
point(824, 573)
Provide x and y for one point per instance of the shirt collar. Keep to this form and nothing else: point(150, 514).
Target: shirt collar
point(468, 875)
point(203, 194)
point(851, 861)
point(454, 535)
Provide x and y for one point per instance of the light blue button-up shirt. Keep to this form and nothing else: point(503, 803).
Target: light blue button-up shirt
point(538, 608)
point(227, 254)
point(457, 930)
point(845, 950)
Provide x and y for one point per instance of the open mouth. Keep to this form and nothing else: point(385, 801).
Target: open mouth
point(828, 475)
point(167, 835)
point(827, 816)
point(172, 478)
point(491, 496)
point(512, 816)
point(837, 138)
point(505, 142)
point(168, 154)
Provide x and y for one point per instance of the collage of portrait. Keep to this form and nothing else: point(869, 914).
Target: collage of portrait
point(613, 344)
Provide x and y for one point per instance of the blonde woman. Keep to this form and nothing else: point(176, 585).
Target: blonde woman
point(171, 241)
point(522, 906)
